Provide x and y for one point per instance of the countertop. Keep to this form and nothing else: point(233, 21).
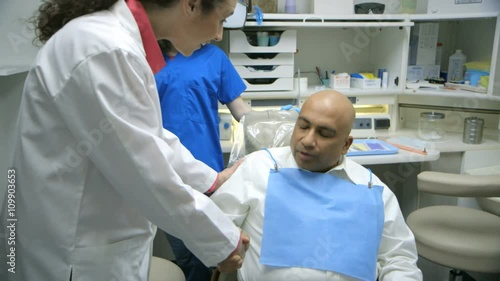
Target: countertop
point(452, 142)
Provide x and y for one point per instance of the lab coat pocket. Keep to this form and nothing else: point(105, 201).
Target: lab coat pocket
point(126, 260)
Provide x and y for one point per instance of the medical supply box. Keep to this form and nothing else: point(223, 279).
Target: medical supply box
point(422, 72)
point(340, 81)
point(365, 83)
point(264, 68)
point(423, 44)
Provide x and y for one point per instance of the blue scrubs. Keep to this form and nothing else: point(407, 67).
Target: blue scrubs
point(190, 89)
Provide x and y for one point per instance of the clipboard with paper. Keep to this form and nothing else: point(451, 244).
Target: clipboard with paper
point(362, 147)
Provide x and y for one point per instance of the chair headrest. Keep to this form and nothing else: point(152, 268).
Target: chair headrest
point(262, 129)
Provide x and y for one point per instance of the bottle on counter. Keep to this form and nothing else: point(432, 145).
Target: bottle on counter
point(456, 66)
point(439, 51)
point(290, 7)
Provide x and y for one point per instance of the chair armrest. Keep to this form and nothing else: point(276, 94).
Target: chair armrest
point(459, 185)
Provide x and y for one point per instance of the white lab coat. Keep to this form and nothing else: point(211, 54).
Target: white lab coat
point(397, 255)
point(95, 169)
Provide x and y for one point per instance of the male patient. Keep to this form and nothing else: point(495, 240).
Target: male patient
point(311, 213)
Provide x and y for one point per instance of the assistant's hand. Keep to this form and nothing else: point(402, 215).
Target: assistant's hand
point(227, 173)
point(235, 260)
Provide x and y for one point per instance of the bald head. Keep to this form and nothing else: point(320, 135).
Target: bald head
point(322, 133)
point(333, 104)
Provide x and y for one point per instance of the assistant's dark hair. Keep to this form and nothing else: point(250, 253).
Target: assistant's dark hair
point(52, 15)
point(165, 46)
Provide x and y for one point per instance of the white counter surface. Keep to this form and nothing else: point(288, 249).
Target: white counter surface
point(452, 142)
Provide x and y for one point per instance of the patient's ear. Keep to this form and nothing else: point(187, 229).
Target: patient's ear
point(347, 144)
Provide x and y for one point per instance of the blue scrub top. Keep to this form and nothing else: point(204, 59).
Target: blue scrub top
point(189, 90)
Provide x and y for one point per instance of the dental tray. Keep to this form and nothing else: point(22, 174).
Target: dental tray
point(361, 147)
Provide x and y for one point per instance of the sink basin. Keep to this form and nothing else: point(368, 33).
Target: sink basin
point(490, 204)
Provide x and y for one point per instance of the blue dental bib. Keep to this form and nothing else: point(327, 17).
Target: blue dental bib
point(319, 221)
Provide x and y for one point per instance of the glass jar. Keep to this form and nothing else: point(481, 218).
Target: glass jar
point(430, 126)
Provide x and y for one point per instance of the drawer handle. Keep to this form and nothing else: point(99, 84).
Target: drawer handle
point(313, 18)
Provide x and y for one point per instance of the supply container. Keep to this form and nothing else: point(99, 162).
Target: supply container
point(408, 6)
point(456, 65)
point(300, 84)
point(340, 80)
point(290, 7)
point(262, 38)
point(473, 130)
point(267, 6)
point(439, 52)
point(430, 126)
point(274, 39)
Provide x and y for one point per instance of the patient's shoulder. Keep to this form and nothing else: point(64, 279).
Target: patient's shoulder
point(266, 154)
point(265, 158)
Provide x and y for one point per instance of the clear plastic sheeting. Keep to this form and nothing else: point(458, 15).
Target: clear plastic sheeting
point(262, 129)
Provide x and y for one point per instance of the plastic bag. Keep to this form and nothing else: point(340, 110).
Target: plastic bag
point(262, 129)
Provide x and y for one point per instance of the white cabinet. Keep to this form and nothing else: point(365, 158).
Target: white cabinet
point(355, 43)
point(264, 67)
point(365, 43)
point(477, 35)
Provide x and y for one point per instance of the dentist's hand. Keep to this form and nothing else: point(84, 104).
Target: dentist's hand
point(227, 173)
point(235, 260)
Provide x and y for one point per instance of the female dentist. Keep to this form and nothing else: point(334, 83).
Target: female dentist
point(95, 170)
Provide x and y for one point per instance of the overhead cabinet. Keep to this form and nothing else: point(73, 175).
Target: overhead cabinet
point(264, 65)
point(367, 43)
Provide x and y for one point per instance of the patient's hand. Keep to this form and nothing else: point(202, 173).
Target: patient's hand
point(227, 173)
point(235, 260)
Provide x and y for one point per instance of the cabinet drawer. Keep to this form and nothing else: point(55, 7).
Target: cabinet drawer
point(239, 43)
point(268, 84)
point(262, 59)
point(267, 71)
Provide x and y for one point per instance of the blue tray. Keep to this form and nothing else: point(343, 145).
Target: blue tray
point(362, 147)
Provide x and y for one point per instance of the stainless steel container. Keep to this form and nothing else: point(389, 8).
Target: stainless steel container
point(473, 130)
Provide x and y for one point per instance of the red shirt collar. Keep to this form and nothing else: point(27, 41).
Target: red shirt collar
point(151, 47)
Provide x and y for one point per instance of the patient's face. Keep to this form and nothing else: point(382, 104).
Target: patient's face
point(319, 138)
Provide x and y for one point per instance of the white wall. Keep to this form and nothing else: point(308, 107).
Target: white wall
point(16, 35)
point(10, 97)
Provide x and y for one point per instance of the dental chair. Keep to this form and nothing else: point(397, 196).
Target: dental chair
point(262, 129)
point(164, 270)
point(461, 238)
point(258, 130)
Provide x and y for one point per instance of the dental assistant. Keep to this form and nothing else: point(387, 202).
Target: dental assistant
point(96, 171)
point(198, 83)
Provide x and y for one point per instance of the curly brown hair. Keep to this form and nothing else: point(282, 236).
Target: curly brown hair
point(52, 15)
